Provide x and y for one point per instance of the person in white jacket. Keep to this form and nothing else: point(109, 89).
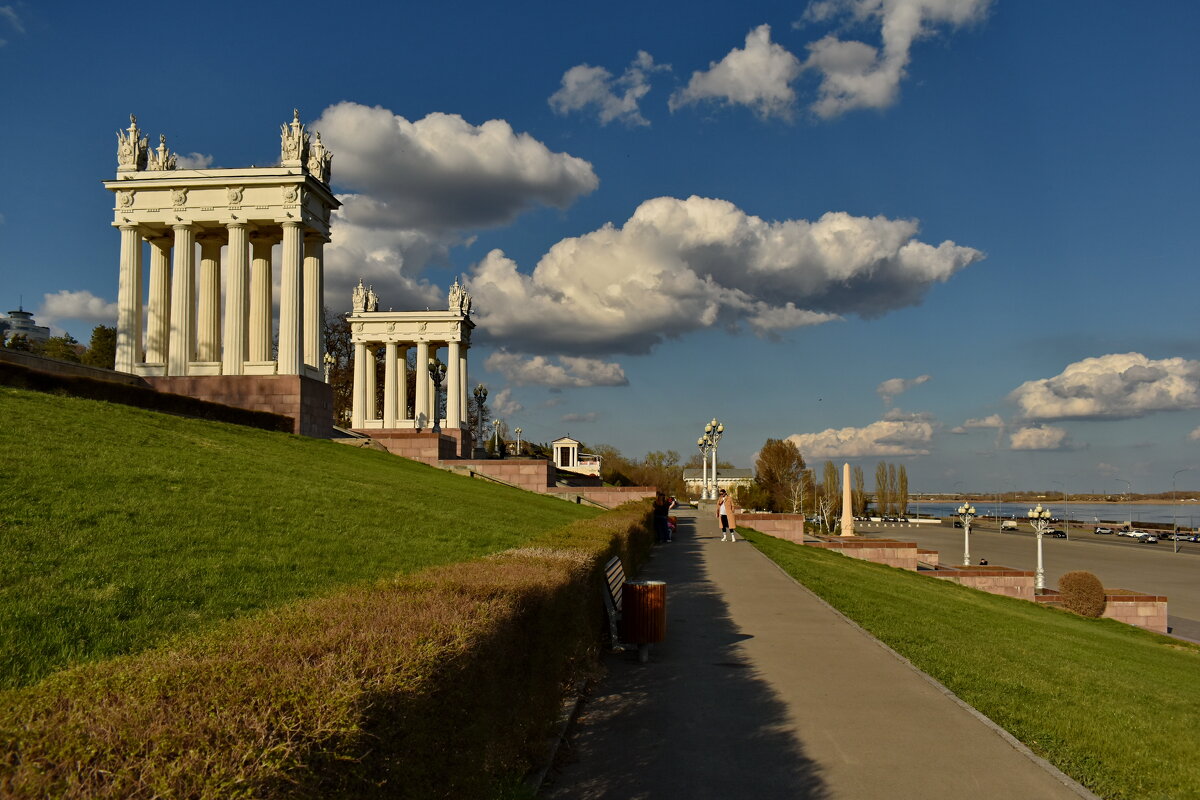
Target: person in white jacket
point(726, 517)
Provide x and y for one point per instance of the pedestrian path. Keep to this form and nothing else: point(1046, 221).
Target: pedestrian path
point(762, 691)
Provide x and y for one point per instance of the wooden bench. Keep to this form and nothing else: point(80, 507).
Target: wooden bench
point(614, 579)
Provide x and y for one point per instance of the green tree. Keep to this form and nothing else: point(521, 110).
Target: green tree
point(341, 371)
point(902, 490)
point(779, 469)
point(19, 342)
point(881, 489)
point(63, 348)
point(752, 496)
point(858, 497)
point(893, 490)
point(102, 350)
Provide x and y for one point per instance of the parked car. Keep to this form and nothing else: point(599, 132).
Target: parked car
point(1104, 530)
point(1146, 538)
point(1057, 533)
point(1008, 524)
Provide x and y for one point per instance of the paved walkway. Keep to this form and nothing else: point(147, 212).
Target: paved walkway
point(761, 691)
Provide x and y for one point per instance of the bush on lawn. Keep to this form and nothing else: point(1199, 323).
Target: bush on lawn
point(433, 685)
point(1082, 593)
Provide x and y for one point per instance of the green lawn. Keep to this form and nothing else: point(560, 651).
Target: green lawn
point(120, 528)
point(1115, 707)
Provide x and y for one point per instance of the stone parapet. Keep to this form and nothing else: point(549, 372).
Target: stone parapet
point(902, 555)
point(1125, 605)
point(991, 579)
point(307, 401)
point(928, 557)
point(608, 496)
point(530, 474)
point(56, 367)
point(783, 526)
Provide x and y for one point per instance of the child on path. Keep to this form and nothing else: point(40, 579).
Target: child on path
point(725, 516)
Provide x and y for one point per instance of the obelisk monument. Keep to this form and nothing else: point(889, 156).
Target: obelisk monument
point(847, 502)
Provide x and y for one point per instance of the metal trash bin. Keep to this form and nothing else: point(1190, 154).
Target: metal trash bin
point(643, 614)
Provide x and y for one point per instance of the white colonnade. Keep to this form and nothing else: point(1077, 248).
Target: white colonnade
point(214, 315)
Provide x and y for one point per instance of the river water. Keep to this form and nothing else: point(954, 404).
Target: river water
point(1187, 514)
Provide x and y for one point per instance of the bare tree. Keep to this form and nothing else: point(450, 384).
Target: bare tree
point(830, 493)
point(902, 494)
point(893, 490)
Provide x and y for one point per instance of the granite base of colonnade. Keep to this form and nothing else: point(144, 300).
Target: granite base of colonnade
point(309, 402)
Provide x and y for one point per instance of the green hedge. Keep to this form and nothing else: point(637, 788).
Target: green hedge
point(438, 684)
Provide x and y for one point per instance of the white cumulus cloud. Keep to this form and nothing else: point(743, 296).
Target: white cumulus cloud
point(905, 437)
point(758, 76)
point(683, 265)
point(193, 161)
point(590, 416)
point(82, 306)
point(992, 421)
point(892, 387)
point(855, 74)
point(569, 371)
point(585, 86)
point(411, 190)
point(503, 403)
point(1195, 435)
point(1040, 437)
point(1117, 386)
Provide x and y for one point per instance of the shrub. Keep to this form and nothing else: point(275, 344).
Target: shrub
point(1082, 593)
point(433, 685)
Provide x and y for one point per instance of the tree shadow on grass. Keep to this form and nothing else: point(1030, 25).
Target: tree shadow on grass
point(697, 721)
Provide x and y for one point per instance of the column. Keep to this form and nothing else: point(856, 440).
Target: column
point(260, 298)
point(402, 382)
point(453, 385)
point(847, 502)
point(208, 333)
point(183, 276)
point(233, 356)
point(389, 386)
point(290, 322)
point(464, 412)
point(129, 300)
point(358, 403)
point(372, 408)
point(421, 405)
point(158, 310)
point(314, 247)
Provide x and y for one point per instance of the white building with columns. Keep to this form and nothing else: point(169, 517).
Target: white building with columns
point(195, 318)
point(437, 337)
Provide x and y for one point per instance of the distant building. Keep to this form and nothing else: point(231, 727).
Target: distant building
point(21, 323)
point(728, 479)
point(567, 457)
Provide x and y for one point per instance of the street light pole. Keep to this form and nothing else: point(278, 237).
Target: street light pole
point(437, 373)
point(966, 513)
point(1175, 507)
point(518, 432)
point(481, 394)
point(496, 449)
point(1066, 509)
point(1039, 518)
point(1130, 499)
point(717, 430)
point(705, 444)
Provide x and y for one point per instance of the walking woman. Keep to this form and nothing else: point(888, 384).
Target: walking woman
point(725, 516)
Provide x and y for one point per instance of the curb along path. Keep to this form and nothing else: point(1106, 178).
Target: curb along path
point(762, 691)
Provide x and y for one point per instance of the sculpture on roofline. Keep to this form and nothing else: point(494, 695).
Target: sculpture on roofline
point(459, 299)
point(132, 148)
point(293, 144)
point(161, 158)
point(372, 301)
point(320, 160)
point(358, 297)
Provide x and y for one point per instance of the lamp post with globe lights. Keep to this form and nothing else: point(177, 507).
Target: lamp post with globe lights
point(437, 373)
point(1039, 518)
point(706, 446)
point(714, 430)
point(481, 394)
point(517, 431)
point(966, 513)
point(496, 451)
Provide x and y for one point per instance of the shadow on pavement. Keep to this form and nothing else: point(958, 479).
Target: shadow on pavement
point(696, 721)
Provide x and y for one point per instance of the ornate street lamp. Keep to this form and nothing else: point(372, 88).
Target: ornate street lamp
point(518, 432)
point(714, 430)
point(705, 444)
point(481, 394)
point(1039, 518)
point(496, 428)
point(437, 373)
point(329, 361)
point(966, 513)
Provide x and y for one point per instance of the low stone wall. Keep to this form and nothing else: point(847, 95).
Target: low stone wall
point(531, 474)
point(307, 401)
point(929, 557)
point(424, 446)
point(783, 526)
point(902, 555)
point(991, 579)
point(608, 496)
point(56, 367)
point(1134, 608)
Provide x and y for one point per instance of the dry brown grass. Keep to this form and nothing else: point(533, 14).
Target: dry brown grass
point(430, 685)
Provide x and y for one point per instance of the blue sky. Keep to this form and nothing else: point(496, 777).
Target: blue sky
point(784, 215)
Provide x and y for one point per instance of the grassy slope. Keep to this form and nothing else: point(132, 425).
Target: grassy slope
point(1111, 705)
point(120, 527)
